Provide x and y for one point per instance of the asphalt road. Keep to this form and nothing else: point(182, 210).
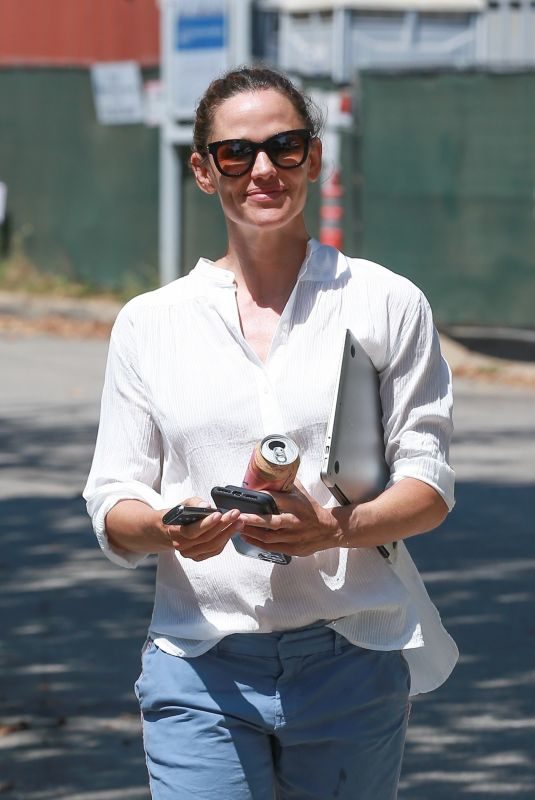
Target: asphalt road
point(72, 623)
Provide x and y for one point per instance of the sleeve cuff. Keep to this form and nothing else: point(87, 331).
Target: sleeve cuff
point(98, 507)
point(437, 474)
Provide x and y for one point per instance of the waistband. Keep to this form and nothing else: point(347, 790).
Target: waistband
point(316, 638)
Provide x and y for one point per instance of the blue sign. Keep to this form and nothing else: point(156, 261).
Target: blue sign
point(201, 32)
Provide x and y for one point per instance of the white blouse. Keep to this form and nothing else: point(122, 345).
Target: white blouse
point(186, 399)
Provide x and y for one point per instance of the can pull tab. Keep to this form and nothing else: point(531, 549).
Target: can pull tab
point(279, 451)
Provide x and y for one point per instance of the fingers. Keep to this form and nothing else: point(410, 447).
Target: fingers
point(207, 538)
point(272, 522)
point(206, 528)
point(264, 537)
point(205, 550)
point(274, 532)
point(282, 541)
point(195, 501)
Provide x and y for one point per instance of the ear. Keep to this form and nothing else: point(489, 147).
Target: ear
point(314, 160)
point(202, 173)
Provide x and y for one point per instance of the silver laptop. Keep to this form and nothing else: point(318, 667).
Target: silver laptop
point(354, 467)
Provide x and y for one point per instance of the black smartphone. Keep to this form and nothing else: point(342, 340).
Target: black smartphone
point(185, 515)
point(250, 502)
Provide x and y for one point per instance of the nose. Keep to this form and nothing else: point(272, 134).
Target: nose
point(262, 164)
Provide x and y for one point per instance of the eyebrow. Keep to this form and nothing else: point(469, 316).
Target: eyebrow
point(261, 141)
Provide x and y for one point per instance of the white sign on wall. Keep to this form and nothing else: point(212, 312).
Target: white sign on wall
point(200, 51)
point(154, 103)
point(117, 92)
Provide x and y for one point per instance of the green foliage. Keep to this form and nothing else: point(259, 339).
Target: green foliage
point(20, 273)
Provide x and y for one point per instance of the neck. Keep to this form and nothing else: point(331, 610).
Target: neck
point(266, 264)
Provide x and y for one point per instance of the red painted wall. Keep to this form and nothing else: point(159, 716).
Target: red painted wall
point(78, 32)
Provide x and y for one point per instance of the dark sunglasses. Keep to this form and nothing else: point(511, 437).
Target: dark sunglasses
point(235, 157)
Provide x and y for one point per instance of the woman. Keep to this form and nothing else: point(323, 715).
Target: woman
point(262, 679)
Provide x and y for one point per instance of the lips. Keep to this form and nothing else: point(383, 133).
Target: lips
point(266, 191)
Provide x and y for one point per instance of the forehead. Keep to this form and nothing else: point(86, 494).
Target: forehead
point(254, 115)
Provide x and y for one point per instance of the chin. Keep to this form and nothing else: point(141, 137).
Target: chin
point(270, 222)
point(268, 217)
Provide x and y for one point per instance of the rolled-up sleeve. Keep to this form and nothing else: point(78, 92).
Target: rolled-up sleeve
point(127, 457)
point(416, 395)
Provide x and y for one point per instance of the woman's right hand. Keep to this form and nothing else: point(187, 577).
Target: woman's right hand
point(135, 527)
point(205, 538)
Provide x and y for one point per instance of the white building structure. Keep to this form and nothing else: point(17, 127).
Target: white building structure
point(330, 39)
point(334, 38)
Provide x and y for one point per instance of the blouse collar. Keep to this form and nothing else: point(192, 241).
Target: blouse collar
point(321, 263)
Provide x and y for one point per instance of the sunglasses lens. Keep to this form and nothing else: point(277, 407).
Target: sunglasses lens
point(288, 150)
point(235, 157)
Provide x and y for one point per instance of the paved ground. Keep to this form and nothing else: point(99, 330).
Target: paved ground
point(73, 624)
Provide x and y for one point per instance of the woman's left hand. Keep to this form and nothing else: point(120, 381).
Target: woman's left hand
point(302, 528)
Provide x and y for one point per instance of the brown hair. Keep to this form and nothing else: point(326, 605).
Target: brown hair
point(250, 79)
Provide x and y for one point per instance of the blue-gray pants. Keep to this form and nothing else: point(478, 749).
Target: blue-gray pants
point(300, 715)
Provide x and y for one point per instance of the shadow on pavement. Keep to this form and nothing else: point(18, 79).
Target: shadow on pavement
point(474, 736)
point(47, 450)
point(73, 626)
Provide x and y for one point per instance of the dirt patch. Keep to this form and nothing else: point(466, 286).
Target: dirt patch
point(55, 326)
point(26, 315)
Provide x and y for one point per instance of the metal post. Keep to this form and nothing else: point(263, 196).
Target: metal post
point(175, 133)
point(170, 208)
point(240, 32)
point(340, 31)
point(505, 31)
point(169, 170)
point(480, 30)
point(411, 24)
point(527, 20)
point(285, 37)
